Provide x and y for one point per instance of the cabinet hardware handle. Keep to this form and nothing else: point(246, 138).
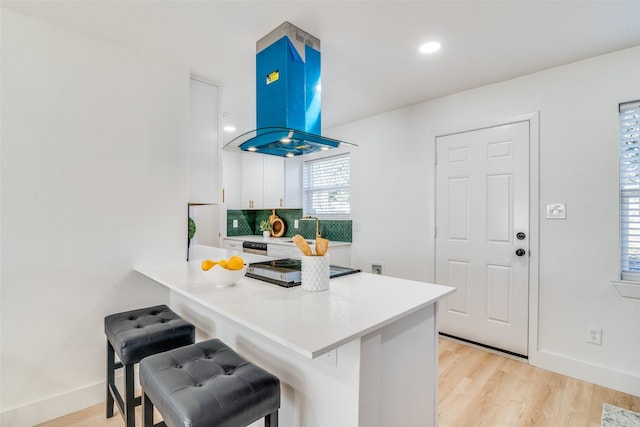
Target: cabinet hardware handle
point(222, 194)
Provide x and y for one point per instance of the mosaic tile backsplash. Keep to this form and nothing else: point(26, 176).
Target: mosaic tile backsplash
point(249, 220)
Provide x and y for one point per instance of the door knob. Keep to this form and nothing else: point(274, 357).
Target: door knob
point(520, 252)
point(520, 236)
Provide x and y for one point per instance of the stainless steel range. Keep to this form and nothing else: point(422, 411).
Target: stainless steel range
point(287, 272)
point(259, 248)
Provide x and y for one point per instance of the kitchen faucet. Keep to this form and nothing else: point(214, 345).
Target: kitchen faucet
point(317, 224)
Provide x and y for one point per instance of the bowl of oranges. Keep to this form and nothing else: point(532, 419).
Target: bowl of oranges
point(225, 272)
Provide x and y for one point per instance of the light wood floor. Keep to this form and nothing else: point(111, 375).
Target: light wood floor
point(477, 388)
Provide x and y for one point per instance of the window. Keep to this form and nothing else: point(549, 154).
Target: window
point(629, 140)
point(326, 185)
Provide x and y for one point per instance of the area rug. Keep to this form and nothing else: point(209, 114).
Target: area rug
point(612, 416)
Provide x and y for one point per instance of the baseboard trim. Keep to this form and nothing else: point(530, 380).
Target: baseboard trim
point(625, 382)
point(54, 407)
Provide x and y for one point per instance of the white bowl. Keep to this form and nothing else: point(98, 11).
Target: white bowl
point(223, 277)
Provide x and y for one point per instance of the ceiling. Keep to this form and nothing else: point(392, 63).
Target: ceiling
point(370, 58)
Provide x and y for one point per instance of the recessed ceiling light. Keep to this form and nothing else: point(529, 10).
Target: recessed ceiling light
point(430, 47)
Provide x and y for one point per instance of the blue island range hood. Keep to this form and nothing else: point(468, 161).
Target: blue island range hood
point(288, 104)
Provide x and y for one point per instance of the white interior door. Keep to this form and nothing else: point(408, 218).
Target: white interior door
point(482, 234)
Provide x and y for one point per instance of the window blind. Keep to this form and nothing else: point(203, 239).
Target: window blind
point(327, 187)
point(629, 154)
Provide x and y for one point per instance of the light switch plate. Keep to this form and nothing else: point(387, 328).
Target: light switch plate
point(556, 211)
point(235, 223)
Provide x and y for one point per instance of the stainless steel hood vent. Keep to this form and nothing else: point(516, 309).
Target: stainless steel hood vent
point(288, 102)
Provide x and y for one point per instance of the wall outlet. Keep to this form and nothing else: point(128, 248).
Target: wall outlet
point(295, 223)
point(376, 268)
point(235, 223)
point(594, 335)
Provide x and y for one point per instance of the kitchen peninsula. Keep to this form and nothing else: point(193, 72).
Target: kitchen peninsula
point(363, 353)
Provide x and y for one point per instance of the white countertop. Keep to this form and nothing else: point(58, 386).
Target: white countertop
point(286, 241)
point(309, 323)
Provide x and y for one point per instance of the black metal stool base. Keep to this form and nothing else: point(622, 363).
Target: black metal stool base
point(132, 336)
point(128, 405)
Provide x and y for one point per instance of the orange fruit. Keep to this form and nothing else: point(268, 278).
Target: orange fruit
point(207, 264)
point(235, 263)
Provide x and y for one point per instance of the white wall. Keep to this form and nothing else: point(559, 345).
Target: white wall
point(93, 181)
point(393, 200)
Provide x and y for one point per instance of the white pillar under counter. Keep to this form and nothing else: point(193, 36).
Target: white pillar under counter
point(363, 353)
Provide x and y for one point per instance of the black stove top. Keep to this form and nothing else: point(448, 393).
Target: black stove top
point(287, 272)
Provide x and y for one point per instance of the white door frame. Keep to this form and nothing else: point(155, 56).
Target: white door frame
point(534, 209)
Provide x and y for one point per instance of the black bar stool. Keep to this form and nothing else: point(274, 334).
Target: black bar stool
point(133, 335)
point(207, 385)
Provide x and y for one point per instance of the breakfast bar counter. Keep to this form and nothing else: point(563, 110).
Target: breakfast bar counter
point(363, 353)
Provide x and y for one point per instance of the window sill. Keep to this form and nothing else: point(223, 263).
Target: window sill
point(627, 288)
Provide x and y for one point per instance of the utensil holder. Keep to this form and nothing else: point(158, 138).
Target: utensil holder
point(315, 273)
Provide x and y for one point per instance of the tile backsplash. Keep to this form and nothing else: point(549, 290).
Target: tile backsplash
point(249, 220)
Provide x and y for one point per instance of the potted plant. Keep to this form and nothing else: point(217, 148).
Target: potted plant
point(192, 230)
point(265, 227)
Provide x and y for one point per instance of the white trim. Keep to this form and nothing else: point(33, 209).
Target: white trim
point(534, 234)
point(485, 124)
point(203, 79)
point(55, 407)
point(625, 382)
point(626, 288)
point(534, 207)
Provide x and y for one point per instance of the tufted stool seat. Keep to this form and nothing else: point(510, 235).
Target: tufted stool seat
point(205, 385)
point(133, 335)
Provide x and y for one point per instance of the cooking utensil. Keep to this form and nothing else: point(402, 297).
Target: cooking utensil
point(277, 225)
point(322, 246)
point(302, 245)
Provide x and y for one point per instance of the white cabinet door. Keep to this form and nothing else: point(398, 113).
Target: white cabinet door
point(235, 245)
point(252, 181)
point(204, 136)
point(232, 180)
point(293, 182)
point(273, 182)
point(262, 181)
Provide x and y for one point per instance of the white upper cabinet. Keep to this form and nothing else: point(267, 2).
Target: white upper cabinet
point(231, 164)
point(252, 181)
point(204, 142)
point(273, 182)
point(258, 181)
point(293, 182)
point(262, 181)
